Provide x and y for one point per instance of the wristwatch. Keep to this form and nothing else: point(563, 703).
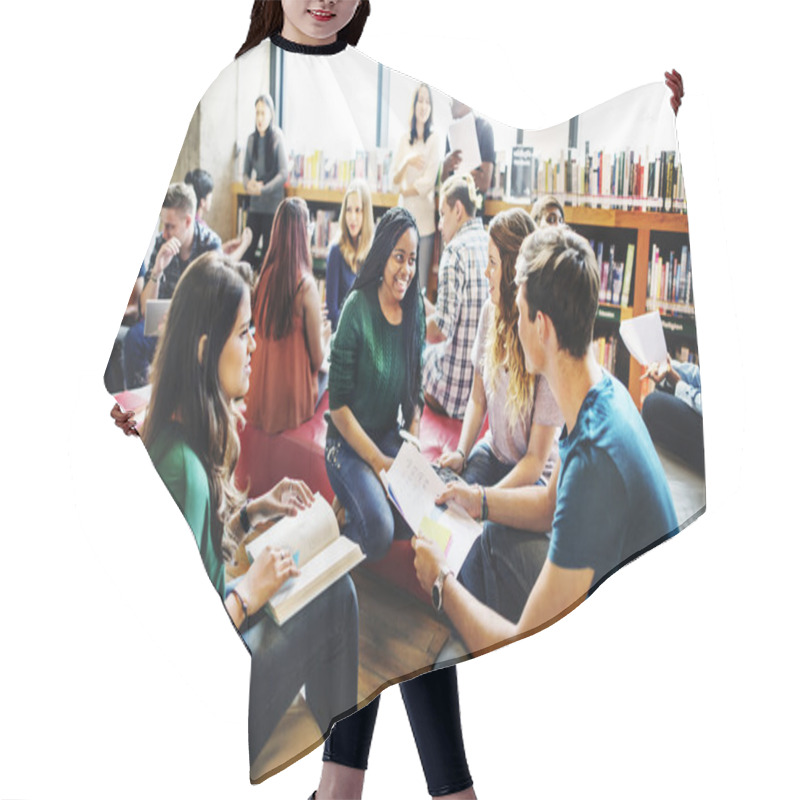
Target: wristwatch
point(437, 590)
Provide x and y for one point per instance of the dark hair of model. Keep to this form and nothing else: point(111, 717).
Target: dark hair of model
point(266, 19)
point(186, 388)
point(287, 260)
point(392, 225)
point(426, 131)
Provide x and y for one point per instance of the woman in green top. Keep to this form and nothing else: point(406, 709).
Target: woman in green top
point(202, 367)
point(374, 374)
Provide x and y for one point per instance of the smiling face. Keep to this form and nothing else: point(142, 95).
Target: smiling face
point(401, 266)
point(234, 360)
point(354, 215)
point(263, 117)
point(494, 272)
point(422, 108)
point(315, 22)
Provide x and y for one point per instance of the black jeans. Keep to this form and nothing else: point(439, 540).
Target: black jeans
point(676, 426)
point(261, 225)
point(432, 706)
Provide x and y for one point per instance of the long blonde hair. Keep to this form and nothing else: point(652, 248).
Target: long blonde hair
point(503, 348)
point(354, 253)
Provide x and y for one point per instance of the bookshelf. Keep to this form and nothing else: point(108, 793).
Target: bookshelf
point(643, 229)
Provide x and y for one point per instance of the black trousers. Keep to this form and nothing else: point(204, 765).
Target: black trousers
point(433, 710)
point(676, 426)
point(261, 225)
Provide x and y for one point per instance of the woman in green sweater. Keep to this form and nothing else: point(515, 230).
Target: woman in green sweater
point(201, 368)
point(374, 374)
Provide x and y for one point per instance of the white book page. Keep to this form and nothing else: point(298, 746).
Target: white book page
point(644, 338)
point(464, 137)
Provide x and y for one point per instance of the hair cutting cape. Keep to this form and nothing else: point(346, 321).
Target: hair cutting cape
point(616, 171)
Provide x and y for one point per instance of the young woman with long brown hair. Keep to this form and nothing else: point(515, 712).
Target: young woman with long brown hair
point(289, 329)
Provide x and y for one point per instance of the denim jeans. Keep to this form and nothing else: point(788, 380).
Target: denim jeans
point(372, 521)
point(432, 706)
point(484, 467)
point(676, 426)
point(138, 352)
point(318, 648)
point(502, 566)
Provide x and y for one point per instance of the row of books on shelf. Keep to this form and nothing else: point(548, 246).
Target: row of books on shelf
point(615, 275)
point(669, 281)
point(315, 171)
point(623, 179)
point(326, 231)
point(605, 351)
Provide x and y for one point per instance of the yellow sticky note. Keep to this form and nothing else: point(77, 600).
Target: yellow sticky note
point(436, 532)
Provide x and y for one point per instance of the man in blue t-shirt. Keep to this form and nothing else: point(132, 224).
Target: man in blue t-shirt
point(608, 501)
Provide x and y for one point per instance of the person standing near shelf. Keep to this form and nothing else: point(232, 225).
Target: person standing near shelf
point(482, 174)
point(289, 330)
point(414, 171)
point(673, 413)
point(524, 418)
point(266, 169)
point(356, 228)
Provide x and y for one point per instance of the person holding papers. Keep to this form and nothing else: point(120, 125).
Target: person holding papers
point(202, 366)
point(610, 502)
point(483, 133)
point(519, 447)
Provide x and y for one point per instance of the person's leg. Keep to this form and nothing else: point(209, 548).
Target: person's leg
point(434, 714)
point(317, 647)
point(502, 567)
point(257, 223)
point(138, 352)
point(483, 466)
point(676, 426)
point(370, 521)
point(424, 259)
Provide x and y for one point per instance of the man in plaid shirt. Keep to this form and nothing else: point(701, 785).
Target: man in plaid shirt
point(452, 324)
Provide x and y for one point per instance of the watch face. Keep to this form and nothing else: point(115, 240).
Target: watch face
point(436, 595)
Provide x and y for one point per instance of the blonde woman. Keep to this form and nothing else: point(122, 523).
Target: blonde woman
point(356, 229)
point(518, 449)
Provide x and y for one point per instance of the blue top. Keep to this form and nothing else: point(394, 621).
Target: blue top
point(338, 280)
point(613, 500)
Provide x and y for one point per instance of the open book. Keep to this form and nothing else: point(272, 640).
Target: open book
point(413, 485)
point(323, 556)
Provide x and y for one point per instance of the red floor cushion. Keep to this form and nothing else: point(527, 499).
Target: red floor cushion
point(300, 453)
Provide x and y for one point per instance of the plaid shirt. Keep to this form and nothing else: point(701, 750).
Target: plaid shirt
point(447, 371)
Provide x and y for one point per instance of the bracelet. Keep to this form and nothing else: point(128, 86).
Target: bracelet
point(244, 518)
point(241, 603)
point(484, 505)
point(462, 454)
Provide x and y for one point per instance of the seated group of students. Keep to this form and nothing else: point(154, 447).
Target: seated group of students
point(509, 336)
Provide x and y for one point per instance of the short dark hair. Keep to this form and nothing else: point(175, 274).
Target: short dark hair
point(202, 183)
point(559, 272)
